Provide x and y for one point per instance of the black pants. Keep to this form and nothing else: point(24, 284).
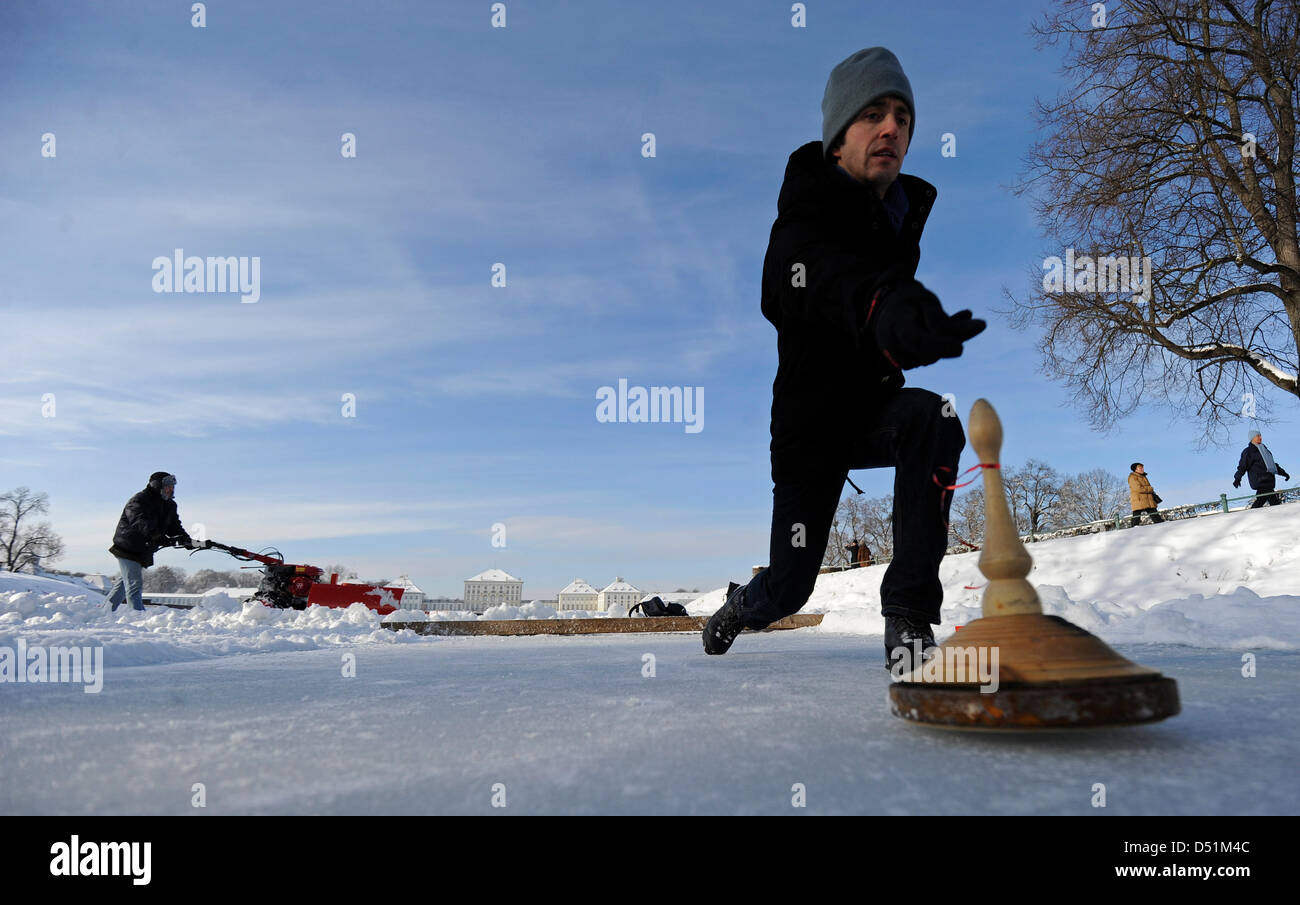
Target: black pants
point(1137, 516)
point(1269, 498)
point(909, 434)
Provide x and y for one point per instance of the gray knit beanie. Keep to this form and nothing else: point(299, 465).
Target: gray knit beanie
point(1253, 435)
point(865, 77)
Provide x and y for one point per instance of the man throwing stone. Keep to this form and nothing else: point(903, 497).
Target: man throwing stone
point(839, 286)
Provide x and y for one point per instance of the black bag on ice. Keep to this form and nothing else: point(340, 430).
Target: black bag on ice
point(656, 607)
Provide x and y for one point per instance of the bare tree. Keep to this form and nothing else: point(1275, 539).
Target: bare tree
point(864, 519)
point(1175, 143)
point(164, 580)
point(1035, 495)
point(22, 542)
point(339, 569)
point(1091, 496)
point(843, 530)
point(966, 519)
point(207, 579)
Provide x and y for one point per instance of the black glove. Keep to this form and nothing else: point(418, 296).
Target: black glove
point(1284, 474)
point(1237, 483)
point(912, 329)
point(157, 540)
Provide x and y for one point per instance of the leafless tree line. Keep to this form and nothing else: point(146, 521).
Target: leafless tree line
point(1041, 498)
point(171, 580)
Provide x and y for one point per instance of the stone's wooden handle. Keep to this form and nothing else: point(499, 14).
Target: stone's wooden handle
point(1049, 673)
point(1004, 561)
point(985, 431)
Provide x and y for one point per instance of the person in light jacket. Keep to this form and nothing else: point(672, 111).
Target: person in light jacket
point(1141, 497)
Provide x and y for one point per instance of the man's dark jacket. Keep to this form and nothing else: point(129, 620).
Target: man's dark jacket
point(1257, 473)
point(830, 375)
point(147, 524)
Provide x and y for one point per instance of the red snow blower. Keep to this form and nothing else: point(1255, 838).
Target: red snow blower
point(288, 586)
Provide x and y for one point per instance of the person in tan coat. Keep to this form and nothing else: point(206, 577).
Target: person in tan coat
point(1142, 498)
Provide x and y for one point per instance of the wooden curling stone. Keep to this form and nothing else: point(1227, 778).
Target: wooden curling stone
point(1016, 668)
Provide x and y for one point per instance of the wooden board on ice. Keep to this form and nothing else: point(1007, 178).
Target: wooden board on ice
point(586, 626)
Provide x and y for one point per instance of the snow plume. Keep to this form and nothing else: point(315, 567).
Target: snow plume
point(220, 625)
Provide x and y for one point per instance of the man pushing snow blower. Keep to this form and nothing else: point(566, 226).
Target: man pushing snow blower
point(839, 285)
point(149, 522)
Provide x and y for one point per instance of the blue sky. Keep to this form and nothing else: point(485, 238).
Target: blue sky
point(475, 405)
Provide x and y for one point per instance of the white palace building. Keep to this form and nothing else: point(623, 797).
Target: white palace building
point(492, 588)
point(578, 595)
point(619, 595)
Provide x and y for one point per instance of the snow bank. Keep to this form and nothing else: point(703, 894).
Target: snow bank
point(49, 612)
point(1224, 581)
point(530, 610)
point(21, 581)
point(406, 616)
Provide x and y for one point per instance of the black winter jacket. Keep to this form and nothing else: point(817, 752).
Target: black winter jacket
point(1257, 473)
point(829, 374)
point(148, 523)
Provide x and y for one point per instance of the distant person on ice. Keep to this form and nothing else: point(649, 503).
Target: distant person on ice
point(149, 522)
point(1141, 497)
point(839, 286)
point(1260, 469)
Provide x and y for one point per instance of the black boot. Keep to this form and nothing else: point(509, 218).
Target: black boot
point(724, 625)
point(904, 634)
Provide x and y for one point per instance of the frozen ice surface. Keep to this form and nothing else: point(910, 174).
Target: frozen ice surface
point(574, 725)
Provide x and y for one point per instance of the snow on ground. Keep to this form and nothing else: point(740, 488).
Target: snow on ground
point(1224, 581)
point(1229, 582)
point(218, 627)
point(12, 582)
point(583, 724)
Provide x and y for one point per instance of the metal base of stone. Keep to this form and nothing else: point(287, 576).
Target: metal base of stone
point(1063, 705)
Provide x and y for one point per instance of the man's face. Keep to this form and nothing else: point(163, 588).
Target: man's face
point(167, 491)
point(1257, 439)
point(1141, 469)
point(876, 142)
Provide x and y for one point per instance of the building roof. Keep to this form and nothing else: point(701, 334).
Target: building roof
point(618, 584)
point(578, 586)
point(405, 582)
point(494, 575)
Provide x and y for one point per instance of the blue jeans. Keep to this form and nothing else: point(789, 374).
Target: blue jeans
point(129, 585)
